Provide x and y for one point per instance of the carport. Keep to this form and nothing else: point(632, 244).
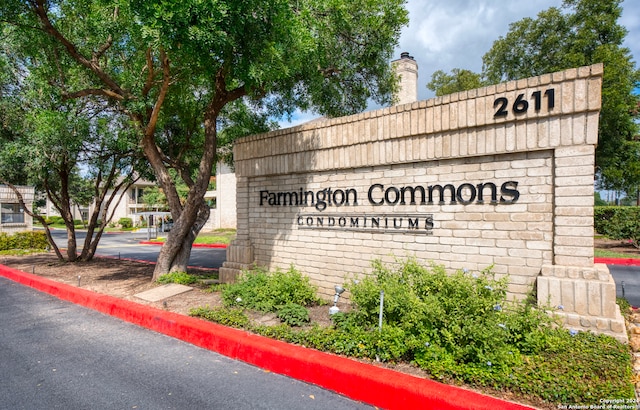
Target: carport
point(151, 218)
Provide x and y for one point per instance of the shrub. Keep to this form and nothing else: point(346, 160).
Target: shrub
point(125, 223)
point(23, 240)
point(266, 292)
point(54, 220)
point(461, 326)
point(6, 241)
point(293, 314)
point(456, 327)
point(616, 222)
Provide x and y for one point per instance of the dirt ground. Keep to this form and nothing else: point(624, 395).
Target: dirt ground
point(124, 279)
point(617, 246)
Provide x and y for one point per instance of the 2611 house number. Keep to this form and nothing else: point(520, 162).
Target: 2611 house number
point(521, 104)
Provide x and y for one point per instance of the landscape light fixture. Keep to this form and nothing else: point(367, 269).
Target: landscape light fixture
point(334, 309)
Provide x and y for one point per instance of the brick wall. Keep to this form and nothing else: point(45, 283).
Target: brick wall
point(541, 145)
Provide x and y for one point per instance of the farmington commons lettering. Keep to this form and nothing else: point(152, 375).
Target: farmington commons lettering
point(378, 195)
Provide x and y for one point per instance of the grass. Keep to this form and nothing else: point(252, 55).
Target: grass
point(184, 278)
point(601, 253)
point(21, 252)
point(220, 236)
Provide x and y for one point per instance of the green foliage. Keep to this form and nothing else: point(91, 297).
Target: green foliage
point(582, 368)
point(624, 305)
point(125, 223)
point(267, 292)
point(154, 198)
point(176, 71)
point(460, 327)
point(293, 314)
point(182, 278)
point(584, 32)
point(617, 222)
point(459, 80)
point(23, 240)
point(225, 316)
point(54, 220)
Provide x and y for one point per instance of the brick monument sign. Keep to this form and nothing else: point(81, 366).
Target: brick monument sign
point(500, 176)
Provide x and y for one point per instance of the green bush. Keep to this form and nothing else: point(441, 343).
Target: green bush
point(182, 278)
point(125, 223)
point(293, 314)
point(618, 222)
point(460, 326)
point(6, 241)
point(23, 240)
point(54, 220)
point(267, 292)
point(456, 327)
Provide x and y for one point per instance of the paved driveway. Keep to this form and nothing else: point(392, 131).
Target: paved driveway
point(57, 355)
point(127, 245)
point(627, 280)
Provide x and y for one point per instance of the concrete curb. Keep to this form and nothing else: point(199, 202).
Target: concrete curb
point(359, 381)
point(618, 261)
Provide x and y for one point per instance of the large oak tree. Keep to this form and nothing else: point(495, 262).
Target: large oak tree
point(329, 56)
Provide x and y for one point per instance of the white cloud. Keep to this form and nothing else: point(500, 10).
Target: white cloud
point(457, 33)
point(443, 35)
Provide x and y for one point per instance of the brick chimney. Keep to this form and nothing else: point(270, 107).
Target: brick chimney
point(407, 69)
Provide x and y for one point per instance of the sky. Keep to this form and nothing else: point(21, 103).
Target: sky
point(447, 34)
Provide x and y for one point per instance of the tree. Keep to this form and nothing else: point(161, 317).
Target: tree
point(73, 161)
point(459, 80)
point(75, 152)
point(587, 33)
point(327, 56)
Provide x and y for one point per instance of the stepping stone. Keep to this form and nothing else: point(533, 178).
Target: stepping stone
point(163, 292)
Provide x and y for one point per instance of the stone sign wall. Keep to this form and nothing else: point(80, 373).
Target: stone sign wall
point(501, 176)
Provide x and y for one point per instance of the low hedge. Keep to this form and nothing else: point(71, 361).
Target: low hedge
point(23, 240)
point(618, 222)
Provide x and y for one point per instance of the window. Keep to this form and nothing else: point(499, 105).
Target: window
point(11, 213)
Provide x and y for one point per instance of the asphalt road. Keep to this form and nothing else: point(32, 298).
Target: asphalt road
point(127, 245)
point(57, 355)
point(627, 280)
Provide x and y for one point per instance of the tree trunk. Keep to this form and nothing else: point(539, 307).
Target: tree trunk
point(176, 252)
point(72, 246)
point(39, 217)
point(190, 217)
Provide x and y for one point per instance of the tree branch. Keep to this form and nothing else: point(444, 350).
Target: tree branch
point(39, 217)
point(101, 92)
point(148, 84)
point(102, 49)
point(166, 82)
point(41, 13)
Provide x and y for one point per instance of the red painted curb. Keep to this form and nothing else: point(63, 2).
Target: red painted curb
point(618, 261)
point(195, 245)
point(362, 382)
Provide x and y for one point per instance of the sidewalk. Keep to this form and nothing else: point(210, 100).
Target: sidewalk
point(367, 383)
